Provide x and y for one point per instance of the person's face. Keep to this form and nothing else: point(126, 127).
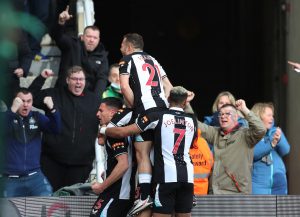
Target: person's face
point(227, 118)
point(222, 101)
point(91, 39)
point(125, 48)
point(27, 104)
point(105, 114)
point(114, 75)
point(76, 83)
point(268, 117)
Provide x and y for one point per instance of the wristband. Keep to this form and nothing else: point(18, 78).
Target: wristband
point(102, 130)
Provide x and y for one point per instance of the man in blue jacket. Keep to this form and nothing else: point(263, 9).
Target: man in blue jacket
point(21, 173)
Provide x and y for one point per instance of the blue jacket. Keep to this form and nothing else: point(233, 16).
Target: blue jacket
point(23, 140)
point(269, 172)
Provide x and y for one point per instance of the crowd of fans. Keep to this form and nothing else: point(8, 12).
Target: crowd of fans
point(146, 125)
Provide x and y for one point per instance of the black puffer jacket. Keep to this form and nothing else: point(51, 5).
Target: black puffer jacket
point(73, 52)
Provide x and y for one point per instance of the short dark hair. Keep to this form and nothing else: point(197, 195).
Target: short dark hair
point(114, 65)
point(113, 102)
point(23, 90)
point(178, 94)
point(228, 105)
point(135, 39)
point(95, 28)
point(75, 69)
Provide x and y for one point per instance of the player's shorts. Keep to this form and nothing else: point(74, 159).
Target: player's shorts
point(106, 206)
point(170, 197)
point(147, 135)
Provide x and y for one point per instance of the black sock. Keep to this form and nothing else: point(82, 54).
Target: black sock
point(145, 190)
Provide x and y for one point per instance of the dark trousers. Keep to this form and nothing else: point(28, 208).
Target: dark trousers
point(61, 175)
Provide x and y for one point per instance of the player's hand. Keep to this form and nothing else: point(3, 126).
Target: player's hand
point(97, 187)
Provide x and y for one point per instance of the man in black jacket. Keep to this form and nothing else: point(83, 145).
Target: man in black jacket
point(67, 157)
point(86, 51)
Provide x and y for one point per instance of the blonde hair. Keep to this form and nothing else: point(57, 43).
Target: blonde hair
point(223, 93)
point(260, 107)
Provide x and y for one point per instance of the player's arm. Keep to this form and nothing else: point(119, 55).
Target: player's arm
point(167, 86)
point(115, 175)
point(121, 132)
point(126, 90)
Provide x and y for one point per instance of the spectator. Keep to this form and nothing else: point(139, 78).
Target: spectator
point(116, 192)
point(22, 174)
point(269, 173)
point(114, 89)
point(203, 161)
point(18, 65)
point(224, 97)
point(86, 51)
point(233, 149)
point(40, 10)
point(144, 85)
point(19, 58)
point(67, 157)
point(174, 132)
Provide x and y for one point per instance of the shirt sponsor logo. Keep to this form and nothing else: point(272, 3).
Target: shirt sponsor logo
point(145, 119)
point(118, 145)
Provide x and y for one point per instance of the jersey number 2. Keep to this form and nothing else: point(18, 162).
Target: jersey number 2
point(151, 81)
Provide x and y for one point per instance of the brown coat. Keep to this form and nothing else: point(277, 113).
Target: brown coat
point(233, 156)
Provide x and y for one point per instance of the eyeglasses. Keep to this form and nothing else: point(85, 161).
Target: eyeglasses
point(226, 114)
point(77, 79)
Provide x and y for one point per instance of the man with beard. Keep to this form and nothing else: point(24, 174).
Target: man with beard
point(86, 51)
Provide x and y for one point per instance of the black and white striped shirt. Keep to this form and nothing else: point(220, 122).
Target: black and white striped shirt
point(145, 80)
point(125, 186)
point(174, 132)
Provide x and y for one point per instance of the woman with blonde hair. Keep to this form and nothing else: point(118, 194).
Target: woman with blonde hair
point(224, 97)
point(269, 172)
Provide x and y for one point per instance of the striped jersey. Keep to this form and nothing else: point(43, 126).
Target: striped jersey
point(125, 186)
point(174, 132)
point(145, 80)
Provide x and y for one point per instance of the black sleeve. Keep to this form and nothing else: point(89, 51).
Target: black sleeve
point(38, 94)
point(24, 53)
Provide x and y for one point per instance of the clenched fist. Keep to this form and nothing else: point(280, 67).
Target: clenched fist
point(17, 103)
point(47, 73)
point(49, 102)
